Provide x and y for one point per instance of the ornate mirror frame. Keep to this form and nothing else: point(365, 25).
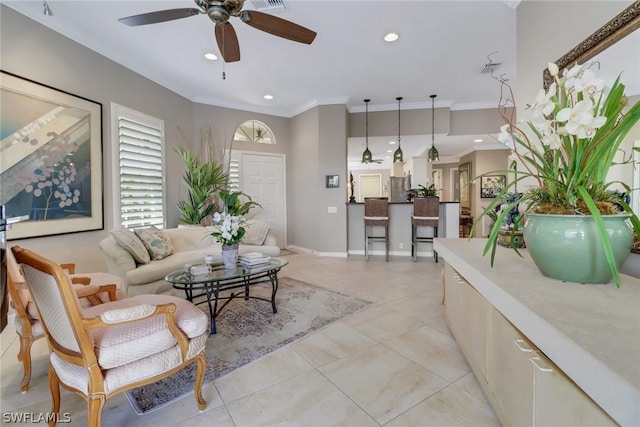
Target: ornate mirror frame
point(620, 26)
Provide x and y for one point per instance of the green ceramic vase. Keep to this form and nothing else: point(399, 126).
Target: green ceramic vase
point(568, 247)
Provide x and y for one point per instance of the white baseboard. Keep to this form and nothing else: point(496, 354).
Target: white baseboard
point(393, 253)
point(317, 253)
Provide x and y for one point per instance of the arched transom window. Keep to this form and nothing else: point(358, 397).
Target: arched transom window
point(254, 131)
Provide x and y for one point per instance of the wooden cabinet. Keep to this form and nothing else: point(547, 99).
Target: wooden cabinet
point(468, 315)
point(510, 373)
point(559, 402)
point(523, 385)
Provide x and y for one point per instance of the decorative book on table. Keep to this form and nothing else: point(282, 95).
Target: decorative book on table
point(253, 259)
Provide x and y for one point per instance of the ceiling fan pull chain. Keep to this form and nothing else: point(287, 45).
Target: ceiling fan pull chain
point(224, 75)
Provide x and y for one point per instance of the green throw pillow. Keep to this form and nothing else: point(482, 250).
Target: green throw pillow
point(157, 243)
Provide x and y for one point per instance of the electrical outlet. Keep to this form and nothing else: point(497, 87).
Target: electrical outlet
point(333, 209)
point(400, 245)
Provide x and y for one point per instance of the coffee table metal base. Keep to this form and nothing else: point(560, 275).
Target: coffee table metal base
point(211, 292)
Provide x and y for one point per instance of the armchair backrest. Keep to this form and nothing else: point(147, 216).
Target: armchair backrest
point(57, 304)
point(15, 283)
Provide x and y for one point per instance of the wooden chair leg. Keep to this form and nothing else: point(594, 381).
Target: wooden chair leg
point(95, 403)
point(54, 386)
point(201, 363)
point(24, 355)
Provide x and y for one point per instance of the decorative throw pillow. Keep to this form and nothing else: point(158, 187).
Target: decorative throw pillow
point(129, 241)
point(157, 243)
point(256, 232)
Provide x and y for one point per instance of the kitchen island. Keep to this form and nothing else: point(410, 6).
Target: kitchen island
point(399, 229)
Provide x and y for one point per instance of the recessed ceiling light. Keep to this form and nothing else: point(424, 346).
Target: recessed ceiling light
point(392, 142)
point(389, 151)
point(211, 56)
point(391, 37)
point(477, 140)
point(268, 96)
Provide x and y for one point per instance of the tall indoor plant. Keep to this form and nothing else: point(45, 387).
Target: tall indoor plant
point(202, 180)
point(576, 131)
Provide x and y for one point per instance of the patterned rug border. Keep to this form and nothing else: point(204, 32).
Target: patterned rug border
point(144, 400)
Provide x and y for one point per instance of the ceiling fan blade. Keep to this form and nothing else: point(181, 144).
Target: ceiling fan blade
point(277, 26)
point(228, 42)
point(159, 16)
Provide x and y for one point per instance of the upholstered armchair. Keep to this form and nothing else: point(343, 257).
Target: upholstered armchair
point(112, 347)
point(27, 319)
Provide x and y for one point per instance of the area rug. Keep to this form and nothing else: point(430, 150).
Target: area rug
point(248, 330)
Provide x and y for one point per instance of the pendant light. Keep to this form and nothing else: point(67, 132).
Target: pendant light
point(433, 155)
point(366, 154)
point(397, 155)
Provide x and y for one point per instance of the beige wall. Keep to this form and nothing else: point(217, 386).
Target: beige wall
point(33, 51)
point(537, 48)
point(483, 162)
point(314, 142)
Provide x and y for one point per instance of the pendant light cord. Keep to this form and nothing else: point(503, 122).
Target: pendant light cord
point(433, 120)
point(399, 99)
point(366, 121)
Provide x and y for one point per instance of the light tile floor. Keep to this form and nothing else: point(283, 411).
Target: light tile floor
point(395, 363)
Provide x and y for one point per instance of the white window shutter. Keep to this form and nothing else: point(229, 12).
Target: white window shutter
point(141, 173)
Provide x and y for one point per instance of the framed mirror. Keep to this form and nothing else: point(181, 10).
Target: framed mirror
point(623, 24)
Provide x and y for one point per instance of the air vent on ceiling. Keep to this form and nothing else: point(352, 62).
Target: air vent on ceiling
point(270, 5)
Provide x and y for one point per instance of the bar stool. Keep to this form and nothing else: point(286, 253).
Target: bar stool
point(376, 213)
point(425, 214)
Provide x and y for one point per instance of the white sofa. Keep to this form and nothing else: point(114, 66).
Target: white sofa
point(190, 245)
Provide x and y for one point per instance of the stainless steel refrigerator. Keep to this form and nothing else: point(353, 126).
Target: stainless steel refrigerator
point(397, 190)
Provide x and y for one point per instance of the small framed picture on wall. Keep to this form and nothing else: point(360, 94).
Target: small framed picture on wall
point(332, 181)
point(491, 186)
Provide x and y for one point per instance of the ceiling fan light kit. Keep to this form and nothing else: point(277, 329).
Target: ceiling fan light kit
point(433, 155)
point(366, 154)
point(220, 12)
point(397, 155)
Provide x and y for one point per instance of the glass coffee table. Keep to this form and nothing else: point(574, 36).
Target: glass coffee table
point(207, 288)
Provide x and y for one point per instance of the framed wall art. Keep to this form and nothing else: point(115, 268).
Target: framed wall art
point(51, 163)
point(464, 176)
point(332, 181)
point(491, 185)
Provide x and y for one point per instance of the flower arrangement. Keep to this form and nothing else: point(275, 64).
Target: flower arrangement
point(229, 229)
point(578, 130)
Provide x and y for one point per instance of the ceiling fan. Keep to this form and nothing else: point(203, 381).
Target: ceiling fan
point(220, 12)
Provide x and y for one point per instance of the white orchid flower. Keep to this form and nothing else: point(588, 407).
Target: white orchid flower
point(216, 217)
point(543, 104)
point(588, 84)
point(553, 141)
point(553, 69)
point(580, 119)
point(505, 136)
point(549, 137)
point(571, 76)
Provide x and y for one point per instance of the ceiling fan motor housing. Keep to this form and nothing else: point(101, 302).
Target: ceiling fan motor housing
point(220, 11)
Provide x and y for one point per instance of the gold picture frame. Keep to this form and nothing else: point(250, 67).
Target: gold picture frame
point(51, 163)
point(623, 24)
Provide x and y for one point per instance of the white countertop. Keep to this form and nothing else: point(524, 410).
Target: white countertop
point(591, 332)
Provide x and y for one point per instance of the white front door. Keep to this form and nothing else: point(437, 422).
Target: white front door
point(262, 177)
point(370, 186)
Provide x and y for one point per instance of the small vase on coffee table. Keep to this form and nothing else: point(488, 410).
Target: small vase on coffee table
point(230, 256)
